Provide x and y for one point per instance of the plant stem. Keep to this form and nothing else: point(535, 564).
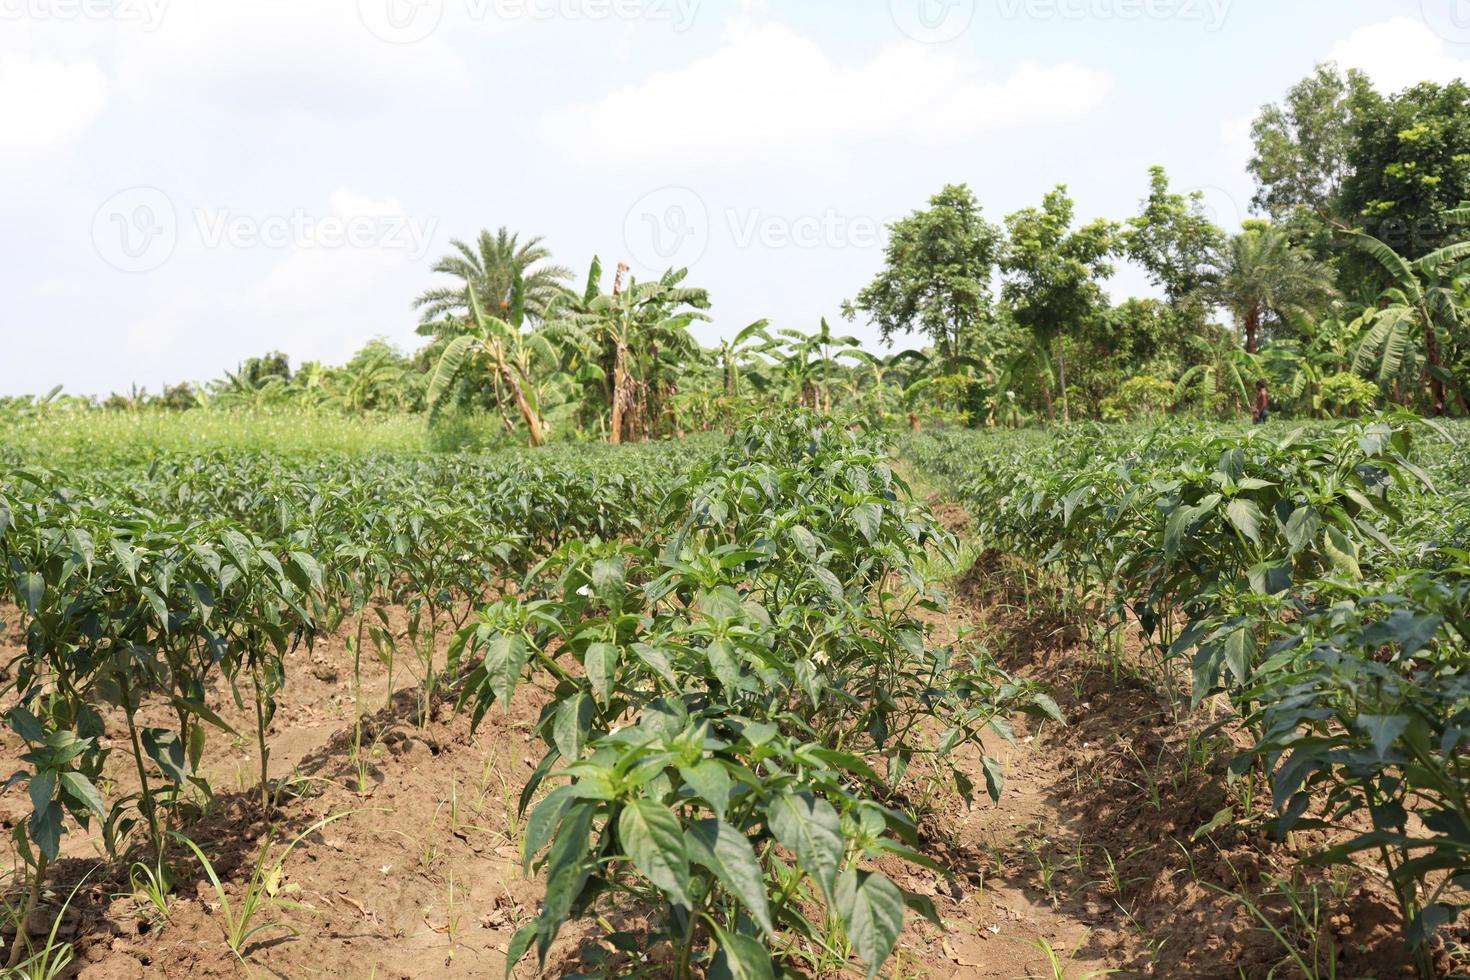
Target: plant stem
point(22, 935)
point(265, 800)
point(149, 806)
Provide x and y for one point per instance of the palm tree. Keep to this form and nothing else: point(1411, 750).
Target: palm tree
point(1260, 273)
point(507, 353)
point(1420, 302)
point(492, 267)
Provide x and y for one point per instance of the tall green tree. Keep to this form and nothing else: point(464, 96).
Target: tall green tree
point(492, 266)
point(1305, 145)
point(1264, 280)
point(1173, 239)
point(936, 277)
point(1053, 279)
point(1410, 165)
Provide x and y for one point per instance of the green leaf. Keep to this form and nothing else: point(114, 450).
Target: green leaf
point(1246, 517)
point(654, 840)
point(164, 748)
point(567, 870)
point(1220, 819)
point(82, 793)
point(809, 828)
point(869, 519)
point(505, 658)
point(709, 779)
point(995, 779)
point(25, 724)
point(724, 850)
point(724, 661)
point(544, 820)
point(570, 726)
point(44, 828)
point(1240, 649)
point(31, 587)
point(520, 945)
point(1384, 730)
point(1342, 553)
point(601, 662)
point(871, 907)
point(42, 789)
point(806, 542)
point(1301, 528)
point(308, 575)
point(740, 958)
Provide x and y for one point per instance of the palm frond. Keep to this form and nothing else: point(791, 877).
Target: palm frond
point(446, 372)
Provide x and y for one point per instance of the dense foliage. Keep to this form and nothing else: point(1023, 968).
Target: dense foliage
point(737, 681)
point(1317, 578)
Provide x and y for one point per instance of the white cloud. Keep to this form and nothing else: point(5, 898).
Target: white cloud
point(271, 55)
point(1398, 53)
point(323, 300)
point(46, 105)
point(770, 94)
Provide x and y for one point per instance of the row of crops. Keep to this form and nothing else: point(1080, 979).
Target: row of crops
point(1316, 580)
point(142, 593)
point(726, 638)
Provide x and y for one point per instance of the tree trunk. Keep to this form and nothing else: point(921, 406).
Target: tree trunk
point(1436, 386)
point(1253, 330)
point(533, 424)
point(615, 436)
point(1051, 414)
point(500, 406)
point(1062, 382)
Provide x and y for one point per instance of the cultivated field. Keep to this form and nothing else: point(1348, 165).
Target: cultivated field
point(1184, 701)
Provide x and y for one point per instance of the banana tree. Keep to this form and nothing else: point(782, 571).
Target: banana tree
point(804, 362)
point(733, 354)
point(1420, 303)
point(906, 363)
point(507, 352)
point(634, 329)
point(1233, 370)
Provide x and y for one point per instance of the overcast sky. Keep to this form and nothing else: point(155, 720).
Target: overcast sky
point(190, 182)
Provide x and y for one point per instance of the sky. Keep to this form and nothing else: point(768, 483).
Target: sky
point(187, 183)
